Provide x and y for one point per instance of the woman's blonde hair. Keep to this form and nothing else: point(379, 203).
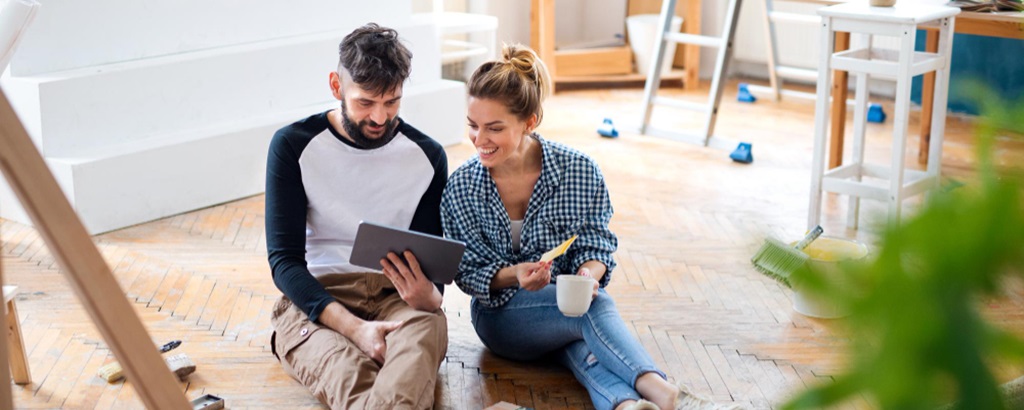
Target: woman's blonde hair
point(518, 79)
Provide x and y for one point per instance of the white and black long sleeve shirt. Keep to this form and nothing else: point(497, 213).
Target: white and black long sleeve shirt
point(320, 186)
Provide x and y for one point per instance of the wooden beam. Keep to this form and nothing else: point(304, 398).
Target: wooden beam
point(17, 354)
point(599, 61)
point(673, 79)
point(1006, 28)
point(87, 272)
point(839, 92)
point(542, 32)
point(691, 52)
point(6, 398)
point(931, 45)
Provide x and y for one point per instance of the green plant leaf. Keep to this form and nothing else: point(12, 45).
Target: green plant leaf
point(918, 340)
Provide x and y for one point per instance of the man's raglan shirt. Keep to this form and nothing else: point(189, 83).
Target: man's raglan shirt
point(320, 186)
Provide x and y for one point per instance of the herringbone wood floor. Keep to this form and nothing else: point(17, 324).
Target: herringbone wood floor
point(688, 220)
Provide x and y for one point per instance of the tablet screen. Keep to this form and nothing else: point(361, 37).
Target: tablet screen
point(439, 257)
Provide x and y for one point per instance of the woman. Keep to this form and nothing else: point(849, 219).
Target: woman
point(519, 197)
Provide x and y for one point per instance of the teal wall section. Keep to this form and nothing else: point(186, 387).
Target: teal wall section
point(998, 62)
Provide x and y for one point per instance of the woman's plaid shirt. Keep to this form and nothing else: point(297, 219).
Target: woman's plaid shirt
point(570, 198)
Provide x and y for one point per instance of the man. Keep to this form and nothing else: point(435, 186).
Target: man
point(356, 339)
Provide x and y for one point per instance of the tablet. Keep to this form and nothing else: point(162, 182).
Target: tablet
point(439, 257)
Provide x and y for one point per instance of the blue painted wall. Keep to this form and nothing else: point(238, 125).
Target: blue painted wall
point(999, 62)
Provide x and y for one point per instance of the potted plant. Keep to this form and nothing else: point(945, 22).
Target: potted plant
point(917, 338)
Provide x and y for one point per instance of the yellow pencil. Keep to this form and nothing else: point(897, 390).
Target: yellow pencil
point(558, 251)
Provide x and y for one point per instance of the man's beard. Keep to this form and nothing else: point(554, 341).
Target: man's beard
point(355, 131)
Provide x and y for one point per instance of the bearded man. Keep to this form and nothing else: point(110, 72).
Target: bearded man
point(356, 338)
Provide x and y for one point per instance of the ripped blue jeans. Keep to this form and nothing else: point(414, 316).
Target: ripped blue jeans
point(597, 347)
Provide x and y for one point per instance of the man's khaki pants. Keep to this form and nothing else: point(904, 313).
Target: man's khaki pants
point(341, 375)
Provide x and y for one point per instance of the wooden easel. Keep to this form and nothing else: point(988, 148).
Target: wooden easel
point(88, 273)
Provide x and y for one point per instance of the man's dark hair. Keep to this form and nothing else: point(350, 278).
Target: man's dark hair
point(375, 58)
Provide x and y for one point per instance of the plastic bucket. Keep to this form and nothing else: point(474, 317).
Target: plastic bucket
point(643, 34)
point(827, 255)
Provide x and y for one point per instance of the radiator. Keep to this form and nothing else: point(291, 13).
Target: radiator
point(798, 43)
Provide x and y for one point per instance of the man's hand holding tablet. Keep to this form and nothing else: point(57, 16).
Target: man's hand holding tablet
point(437, 257)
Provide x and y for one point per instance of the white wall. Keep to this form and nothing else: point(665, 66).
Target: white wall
point(513, 18)
point(97, 32)
point(589, 23)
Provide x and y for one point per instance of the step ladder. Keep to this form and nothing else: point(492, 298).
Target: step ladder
point(710, 110)
point(777, 72)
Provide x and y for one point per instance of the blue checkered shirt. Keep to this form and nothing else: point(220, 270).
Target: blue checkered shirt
point(570, 198)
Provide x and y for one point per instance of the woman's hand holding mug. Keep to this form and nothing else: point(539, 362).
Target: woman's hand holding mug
point(586, 272)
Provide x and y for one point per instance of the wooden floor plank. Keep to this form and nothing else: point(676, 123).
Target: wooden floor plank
point(236, 316)
point(163, 288)
point(793, 384)
point(243, 327)
point(674, 275)
point(490, 393)
point(85, 393)
point(446, 387)
point(708, 369)
point(198, 305)
point(627, 271)
point(260, 334)
point(189, 295)
point(706, 288)
point(506, 391)
point(524, 396)
point(174, 291)
point(471, 393)
point(68, 371)
point(231, 302)
point(13, 236)
point(691, 374)
point(151, 274)
point(778, 387)
point(45, 356)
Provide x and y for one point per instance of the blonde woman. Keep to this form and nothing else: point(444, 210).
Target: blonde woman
point(519, 197)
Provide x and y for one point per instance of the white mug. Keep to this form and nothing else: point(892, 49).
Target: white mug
point(574, 293)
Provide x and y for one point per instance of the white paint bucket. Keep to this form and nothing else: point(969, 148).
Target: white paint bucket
point(827, 255)
point(643, 34)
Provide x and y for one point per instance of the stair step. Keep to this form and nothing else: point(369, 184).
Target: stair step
point(74, 111)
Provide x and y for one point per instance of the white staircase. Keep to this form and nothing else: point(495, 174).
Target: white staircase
point(144, 117)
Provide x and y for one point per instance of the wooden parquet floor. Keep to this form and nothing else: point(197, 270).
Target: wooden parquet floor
point(687, 217)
